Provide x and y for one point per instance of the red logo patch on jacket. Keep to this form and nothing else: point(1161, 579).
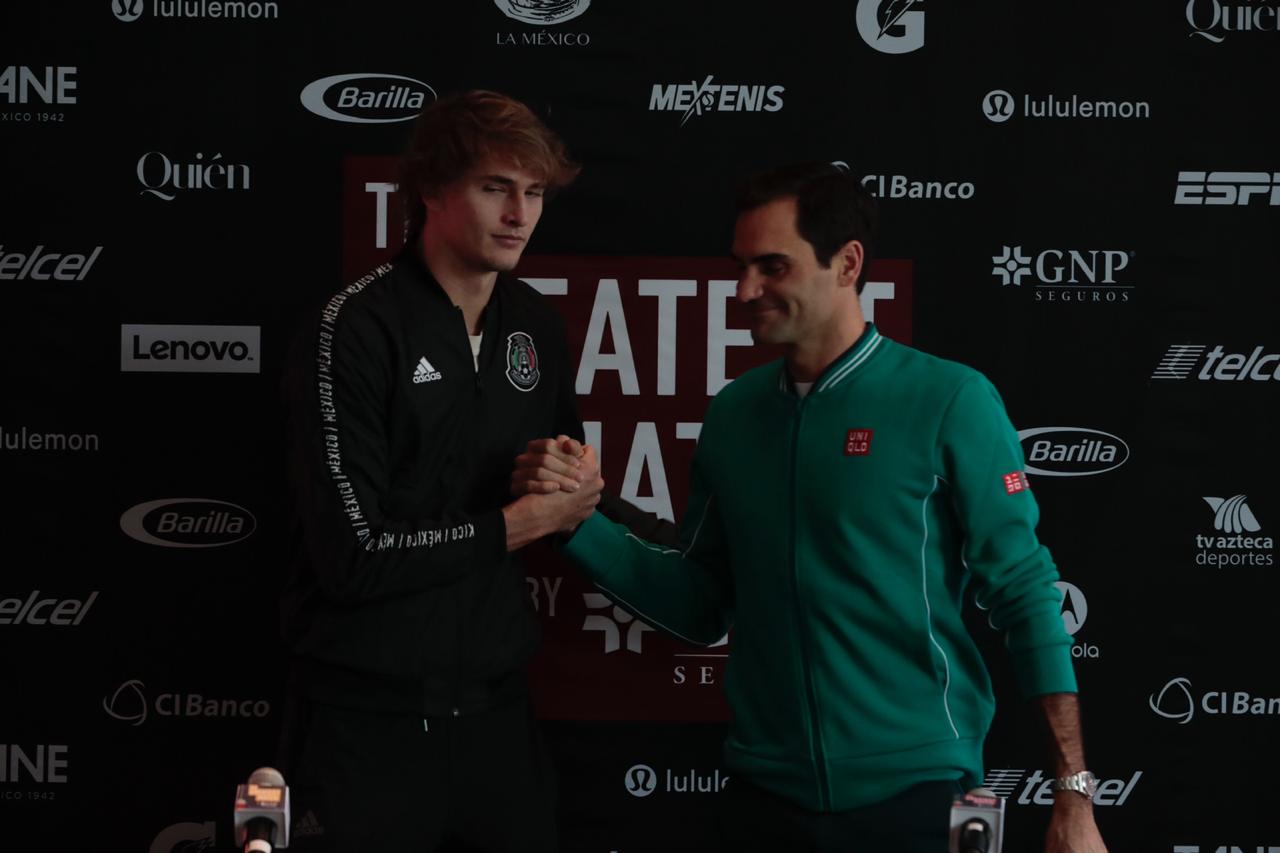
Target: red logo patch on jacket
point(1016, 482)
point(857, 442)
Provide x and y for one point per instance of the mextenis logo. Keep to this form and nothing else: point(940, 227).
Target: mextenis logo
point(1181, 360)
point(52, 85)
point(34, 610)
point(1209, 19)
point(163, 178)
point(128, 703)
point(1071, 451)
point(543, 12)
point(1066, 275)
point(1227, 188)
point(189, 349)
point(367, 98)
point(999, 105)
point(129, 11)
point(188, 523)
point(39, 265)
point(696, 99)
point(891, 26)
point(641, 780)
point(1176, 701)
point(1233, 522)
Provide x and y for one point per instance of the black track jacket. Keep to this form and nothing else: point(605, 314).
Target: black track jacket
point(401, 594)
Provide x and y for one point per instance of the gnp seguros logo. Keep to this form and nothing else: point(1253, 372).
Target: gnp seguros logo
point(367, 98)
point(891, 26)
point(1071, 451)
point(188, 523)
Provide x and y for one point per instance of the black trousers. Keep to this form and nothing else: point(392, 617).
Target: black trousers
point(368, 782)
point(915, 821)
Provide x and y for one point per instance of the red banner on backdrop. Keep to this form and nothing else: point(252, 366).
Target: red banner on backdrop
point(655, 339)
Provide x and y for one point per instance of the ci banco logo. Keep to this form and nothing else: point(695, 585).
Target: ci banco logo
point(1174, 701)
point(128, 704)
point(891, 26)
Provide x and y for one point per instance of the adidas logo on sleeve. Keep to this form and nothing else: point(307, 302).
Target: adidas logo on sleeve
point(424, 372)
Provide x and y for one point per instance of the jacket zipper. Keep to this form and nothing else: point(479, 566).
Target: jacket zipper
point(815, 719)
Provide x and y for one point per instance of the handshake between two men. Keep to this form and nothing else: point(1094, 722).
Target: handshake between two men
point(557, 485)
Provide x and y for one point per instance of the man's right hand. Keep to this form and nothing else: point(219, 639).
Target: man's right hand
point(535, 514)
point(549, 465)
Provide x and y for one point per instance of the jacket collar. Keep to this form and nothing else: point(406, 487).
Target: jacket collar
point(840, 371)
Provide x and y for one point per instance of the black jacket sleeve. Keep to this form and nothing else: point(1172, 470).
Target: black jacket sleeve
point(338, 392)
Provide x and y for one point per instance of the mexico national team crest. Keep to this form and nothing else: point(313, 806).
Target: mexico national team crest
point(522, 361)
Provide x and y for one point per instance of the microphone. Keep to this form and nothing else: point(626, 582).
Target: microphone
point(262, 812)
point(977, 823)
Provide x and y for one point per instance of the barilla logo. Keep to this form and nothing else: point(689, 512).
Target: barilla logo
point(1071, 451)
point(367, 98)
point(188, 523)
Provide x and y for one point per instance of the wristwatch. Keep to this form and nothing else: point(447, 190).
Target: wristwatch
point(1083, 783)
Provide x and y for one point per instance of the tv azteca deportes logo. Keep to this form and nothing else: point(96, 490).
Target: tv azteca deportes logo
point(1231, 544)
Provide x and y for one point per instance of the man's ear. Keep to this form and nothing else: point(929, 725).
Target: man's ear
point(848, 263)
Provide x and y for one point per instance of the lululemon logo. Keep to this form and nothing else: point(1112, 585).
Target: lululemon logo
point(998, 105)
point(641, 780)
point(127, 10)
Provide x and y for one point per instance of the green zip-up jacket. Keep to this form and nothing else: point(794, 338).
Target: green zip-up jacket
point(837, 534)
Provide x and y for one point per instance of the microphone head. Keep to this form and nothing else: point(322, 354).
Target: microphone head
point(978, 792)
point(268, 777)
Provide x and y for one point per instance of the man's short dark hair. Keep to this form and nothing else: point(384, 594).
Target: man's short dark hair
point(832, 207)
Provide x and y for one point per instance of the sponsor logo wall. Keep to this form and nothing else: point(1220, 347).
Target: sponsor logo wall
point(1097, 241)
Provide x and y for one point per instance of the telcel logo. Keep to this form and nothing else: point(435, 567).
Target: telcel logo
point(367, 98)
point(1072, 451)
point(188, 523)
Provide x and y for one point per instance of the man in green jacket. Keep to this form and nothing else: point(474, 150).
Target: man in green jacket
point(842, 500)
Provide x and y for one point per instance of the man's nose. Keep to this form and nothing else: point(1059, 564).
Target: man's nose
point(517, 210)
point(749, 288)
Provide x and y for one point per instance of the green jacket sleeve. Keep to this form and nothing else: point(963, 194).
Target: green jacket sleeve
point(1014, 575)
point(686, 592)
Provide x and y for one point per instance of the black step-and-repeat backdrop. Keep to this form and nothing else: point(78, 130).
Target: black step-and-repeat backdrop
point(1079, 199)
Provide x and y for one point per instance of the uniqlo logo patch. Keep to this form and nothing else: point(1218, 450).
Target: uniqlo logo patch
point(1016, 482)
point(857, 442)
